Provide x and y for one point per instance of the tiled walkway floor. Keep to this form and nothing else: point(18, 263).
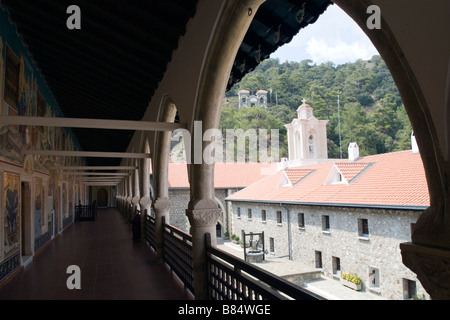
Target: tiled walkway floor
point(112, 266)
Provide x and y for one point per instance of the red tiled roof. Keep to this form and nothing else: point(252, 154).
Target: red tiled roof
point(388, 180)
point(351, 169)
point(226, 175)
point(296, 174)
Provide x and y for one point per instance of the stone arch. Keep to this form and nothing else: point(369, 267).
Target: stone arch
point(168, 112)
point(415, 104)
point(432, 227)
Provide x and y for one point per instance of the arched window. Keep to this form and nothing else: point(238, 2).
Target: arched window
point(312, 144)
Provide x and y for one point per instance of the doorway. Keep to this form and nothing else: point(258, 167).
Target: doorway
point(26, 221)
point(102, 197)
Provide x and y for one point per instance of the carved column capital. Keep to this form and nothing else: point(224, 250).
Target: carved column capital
point(432, 266)
point(135, 201)
point(145, 201)
point(161, 205)
point(203, 217)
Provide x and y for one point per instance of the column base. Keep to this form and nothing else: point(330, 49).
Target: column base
point(432, 266)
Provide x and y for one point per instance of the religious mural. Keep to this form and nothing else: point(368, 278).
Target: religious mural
point(11, 213)
point(23, 93)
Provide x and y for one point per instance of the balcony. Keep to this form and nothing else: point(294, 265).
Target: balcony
point(114, 267)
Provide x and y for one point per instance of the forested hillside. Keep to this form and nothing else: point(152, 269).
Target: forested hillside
point(371, 110)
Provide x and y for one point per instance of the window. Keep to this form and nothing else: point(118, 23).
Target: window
point(239, 212)
point(318, 258)
point(363, 228)
point(12, 73)
point(336, 262)
point(409, 289)
point(326, 223)
point(374, 279)
point(279, 217)
point(272, 244)
point(249, 214)
point(301, 220)
point(263, 216)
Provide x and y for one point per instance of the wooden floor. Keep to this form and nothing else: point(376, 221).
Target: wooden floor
point(112, 266)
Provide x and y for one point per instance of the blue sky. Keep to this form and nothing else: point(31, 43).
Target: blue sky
point(334, 37)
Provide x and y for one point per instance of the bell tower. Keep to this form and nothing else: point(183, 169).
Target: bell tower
point(307, 136)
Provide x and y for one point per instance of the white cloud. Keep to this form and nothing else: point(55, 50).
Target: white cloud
point(338, 51)
point(333, 37)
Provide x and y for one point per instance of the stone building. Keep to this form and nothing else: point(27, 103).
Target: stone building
point(249, 100)
point(229, 178)
point(185, 55)
point(341, 216)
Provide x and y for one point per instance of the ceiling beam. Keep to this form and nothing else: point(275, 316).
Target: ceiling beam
point(94, 167)
point(99, 178)
point(91, 123)
point(94, 154)
point(115, 174)
point(101, 184)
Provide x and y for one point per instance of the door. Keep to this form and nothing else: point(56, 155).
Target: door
point(102, 197)
point(26, 223)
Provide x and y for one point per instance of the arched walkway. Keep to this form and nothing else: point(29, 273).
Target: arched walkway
point(112, 266)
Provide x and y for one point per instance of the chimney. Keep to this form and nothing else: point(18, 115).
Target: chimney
point(353, 151)
point(284, 163)
point(414, 147)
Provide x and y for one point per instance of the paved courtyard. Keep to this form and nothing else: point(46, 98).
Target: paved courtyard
point(330, 289)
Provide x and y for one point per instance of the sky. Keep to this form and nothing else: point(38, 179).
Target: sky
point(333, 37)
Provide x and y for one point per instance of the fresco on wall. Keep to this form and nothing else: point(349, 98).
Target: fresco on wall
point(32, 98)
point(38, 207)
point(11, 213)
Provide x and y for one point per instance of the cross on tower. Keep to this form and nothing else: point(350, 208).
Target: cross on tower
point(304, 101)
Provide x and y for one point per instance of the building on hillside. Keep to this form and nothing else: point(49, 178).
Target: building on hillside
point(249, 100)
point(341, 216)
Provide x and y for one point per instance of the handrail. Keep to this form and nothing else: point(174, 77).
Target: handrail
point(227, 280)
point(150, 232)
point(178, 253)
point(85, 213)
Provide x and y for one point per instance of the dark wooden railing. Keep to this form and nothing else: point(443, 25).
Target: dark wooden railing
point(86, 213)
point(178, 254)
point(150, 231)
point(231, 278)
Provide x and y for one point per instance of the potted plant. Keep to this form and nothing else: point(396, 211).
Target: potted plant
point(235, 239)
point(351, 280)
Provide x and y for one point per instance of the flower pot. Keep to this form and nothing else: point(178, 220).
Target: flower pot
point(351, 285)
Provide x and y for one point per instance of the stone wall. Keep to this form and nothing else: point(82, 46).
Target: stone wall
point(179, 200)
point(342, 246)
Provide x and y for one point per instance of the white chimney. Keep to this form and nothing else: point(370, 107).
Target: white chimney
point(414, 147)
point(284, 163)
point(353, 151)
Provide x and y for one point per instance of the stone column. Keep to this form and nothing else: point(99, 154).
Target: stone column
point(162, 210)
point(136, 191)
point(145, 201)
point(129, 194)
point(202, 221)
